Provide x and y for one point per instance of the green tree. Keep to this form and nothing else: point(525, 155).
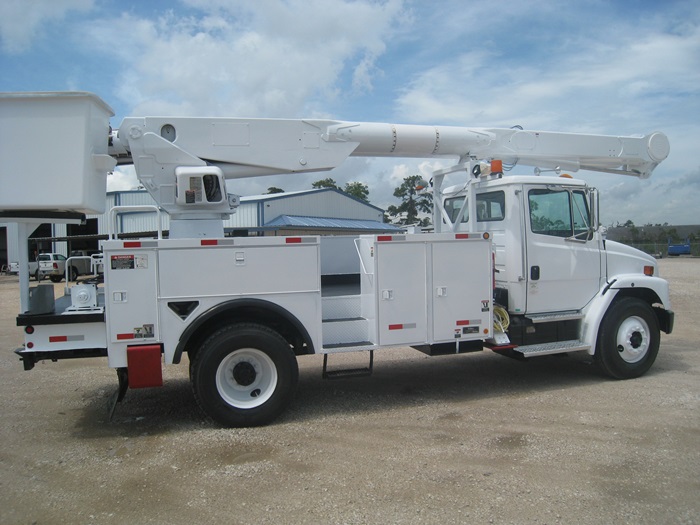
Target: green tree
point(274, 189)
point(357, 190)
point(325, 183)
point(412, 203)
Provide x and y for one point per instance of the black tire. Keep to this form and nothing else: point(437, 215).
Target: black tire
point(56, 278)
point(244, 375)
point(628, 340)
point(74, 273)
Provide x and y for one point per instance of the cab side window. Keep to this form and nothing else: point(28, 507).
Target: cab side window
point(489, 207)
point(558, 213)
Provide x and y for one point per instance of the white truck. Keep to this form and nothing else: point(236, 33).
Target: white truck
point(517, 264)
point(57, 266)
point(52, 265)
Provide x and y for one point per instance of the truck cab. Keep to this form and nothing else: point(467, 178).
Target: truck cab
point(544, 240)
point(555, 272)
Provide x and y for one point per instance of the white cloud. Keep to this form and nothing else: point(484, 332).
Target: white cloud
point(599, 71)
point(267, 58)
point(122, 179)
point(21, 20)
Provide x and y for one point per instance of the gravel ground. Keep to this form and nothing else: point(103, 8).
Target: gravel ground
point(477, 438)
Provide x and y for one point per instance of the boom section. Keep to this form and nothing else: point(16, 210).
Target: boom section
point(255, 147)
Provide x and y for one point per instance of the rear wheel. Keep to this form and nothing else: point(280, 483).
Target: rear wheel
point(628, 341)
point(244, 375)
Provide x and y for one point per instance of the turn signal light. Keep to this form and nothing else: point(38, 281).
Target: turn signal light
point(649, 270)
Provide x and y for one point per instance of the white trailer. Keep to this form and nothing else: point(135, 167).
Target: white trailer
point(517, 264)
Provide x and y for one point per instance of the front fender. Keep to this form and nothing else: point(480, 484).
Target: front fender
point(636, 282)
point(653, 290)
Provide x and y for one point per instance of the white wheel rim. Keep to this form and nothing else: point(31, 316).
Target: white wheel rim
point(633, 339)
point(246, 378)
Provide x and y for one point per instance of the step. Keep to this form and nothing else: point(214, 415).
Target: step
point(341, 332)
point(341, 307)
point(558, 347)
point(348, 372)
point(555, 316)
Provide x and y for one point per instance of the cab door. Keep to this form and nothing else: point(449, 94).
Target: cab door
point(563, 253)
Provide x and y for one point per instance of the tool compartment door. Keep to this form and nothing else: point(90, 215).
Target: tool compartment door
point(401, 270)
point(131, 296)
point(461, 290)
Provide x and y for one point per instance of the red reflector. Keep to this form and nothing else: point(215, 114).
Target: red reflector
point(29, 330)
point(395, 326)
point(208, 242)
point(144, 366)
point(121, 337)
point(58, 339)
point(383, 238)
point(132, 244)
point(293, 240)
point(463, 323)
point(461, 236)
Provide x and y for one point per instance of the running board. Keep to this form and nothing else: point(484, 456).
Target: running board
point(558, 347)
point(348, 372)
point(557, 316)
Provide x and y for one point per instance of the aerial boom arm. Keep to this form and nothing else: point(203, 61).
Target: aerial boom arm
point(255, 147)
point(183, 162)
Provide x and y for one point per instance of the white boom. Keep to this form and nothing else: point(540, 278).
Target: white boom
point(253, 147)
point(183, 162)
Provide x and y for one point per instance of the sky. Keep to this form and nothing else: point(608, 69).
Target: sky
point(611, 67)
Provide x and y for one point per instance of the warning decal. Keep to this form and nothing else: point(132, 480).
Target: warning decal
point(128, 262)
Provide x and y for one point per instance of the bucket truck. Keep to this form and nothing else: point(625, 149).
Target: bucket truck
point(517, 264)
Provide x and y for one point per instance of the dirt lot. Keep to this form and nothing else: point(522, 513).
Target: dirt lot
point(460, 439)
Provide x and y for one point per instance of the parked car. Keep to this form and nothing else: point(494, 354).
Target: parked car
point(33, 269)
point(51, 264)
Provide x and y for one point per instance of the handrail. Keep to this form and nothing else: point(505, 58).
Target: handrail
point(359, 254)
point(114, 212)
point(69, 266)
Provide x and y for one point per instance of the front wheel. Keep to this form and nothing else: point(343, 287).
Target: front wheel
point(628, 341)
point(244, 375)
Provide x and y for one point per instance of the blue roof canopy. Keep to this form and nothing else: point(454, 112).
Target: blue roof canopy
point(323, 222)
